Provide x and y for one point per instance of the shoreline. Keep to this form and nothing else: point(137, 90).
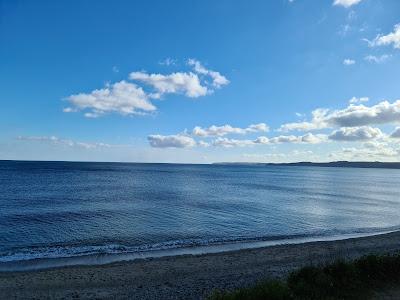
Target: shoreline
point(97, 259)
point(187, 276)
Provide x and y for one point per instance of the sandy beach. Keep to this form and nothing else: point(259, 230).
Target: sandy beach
point(188, 276)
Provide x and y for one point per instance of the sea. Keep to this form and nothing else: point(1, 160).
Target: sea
point(67, 213)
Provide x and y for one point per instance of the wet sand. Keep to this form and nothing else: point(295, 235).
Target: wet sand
point(188, 276)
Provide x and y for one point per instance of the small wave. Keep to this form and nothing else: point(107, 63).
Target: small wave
point(68, 251)
point(65, 251)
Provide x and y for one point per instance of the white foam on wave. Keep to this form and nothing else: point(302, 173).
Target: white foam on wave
point(59, 256)
point(65, 251)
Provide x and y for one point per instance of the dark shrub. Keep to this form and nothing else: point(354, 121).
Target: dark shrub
point(309, 283)
point(267, 290)
point(340, 280)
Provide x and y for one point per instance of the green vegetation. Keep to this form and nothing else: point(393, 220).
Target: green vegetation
point(340, 280)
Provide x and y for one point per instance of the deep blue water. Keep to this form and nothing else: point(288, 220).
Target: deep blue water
point(60, 209)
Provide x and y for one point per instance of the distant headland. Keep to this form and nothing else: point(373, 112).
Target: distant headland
point(337, 164)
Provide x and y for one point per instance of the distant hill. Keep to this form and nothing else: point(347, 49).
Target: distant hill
point(340, 164)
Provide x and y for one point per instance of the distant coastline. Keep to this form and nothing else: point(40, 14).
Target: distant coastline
point(336, 164)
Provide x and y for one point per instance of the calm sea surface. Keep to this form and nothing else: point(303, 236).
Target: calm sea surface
point(65, 209)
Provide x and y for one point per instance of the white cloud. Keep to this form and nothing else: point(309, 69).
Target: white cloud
point(176, 83)
point(352, 116)
point(317, 122)
point(349, 62)
point(352, 134)
point(171, 141)
point(368, 152)
point(228, 143)
point(285, 139)
point(359, 115)
point(184, 140)
point(203, 144)
point(260, 127)
point(261, 156)
point(217, 130)
point(121, 97)
point(64, 142)
point(346, 3)
point(396, 133)
point(392, 38)
point(69, 109)
point(168, 62)
point(191, 84)
point(228, 129)
point(308, 138)
point(129, 98)
point(262, 140)
point(218, 80)
point(377, 59)
point(356, 100)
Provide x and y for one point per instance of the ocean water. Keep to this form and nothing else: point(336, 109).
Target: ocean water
point(59, 210)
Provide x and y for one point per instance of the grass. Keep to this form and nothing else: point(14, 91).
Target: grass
point(341, 280)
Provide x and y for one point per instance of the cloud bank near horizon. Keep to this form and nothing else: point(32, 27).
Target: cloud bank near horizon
point(354, 124)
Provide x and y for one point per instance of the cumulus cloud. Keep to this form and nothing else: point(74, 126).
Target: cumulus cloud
point(370, 151)
point(186, 83)
point(352, 116)
point(396, 133)
point(377, 59)
point(346, 3)
point(349, 62)
point(359, 115)
point(353, 123)
point(285, 139)
point(355, 100)
point(203, 144)
point(392, 38)
point(228, 143)
point(171, 141)
point(262, 140)
point(218, 80)
point(308, 138)
point(121, 97)
point(317, 122)
point(64, 142)
point(352, 134)
point(228, 129)
point(185, 141)
point(260, 127)
point(128, 98)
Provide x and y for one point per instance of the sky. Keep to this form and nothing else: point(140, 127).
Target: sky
point(200, 81)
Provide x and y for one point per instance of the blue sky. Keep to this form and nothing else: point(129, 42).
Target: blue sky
point(200, 81)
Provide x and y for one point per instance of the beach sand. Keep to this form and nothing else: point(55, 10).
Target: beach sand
point(188, 276)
